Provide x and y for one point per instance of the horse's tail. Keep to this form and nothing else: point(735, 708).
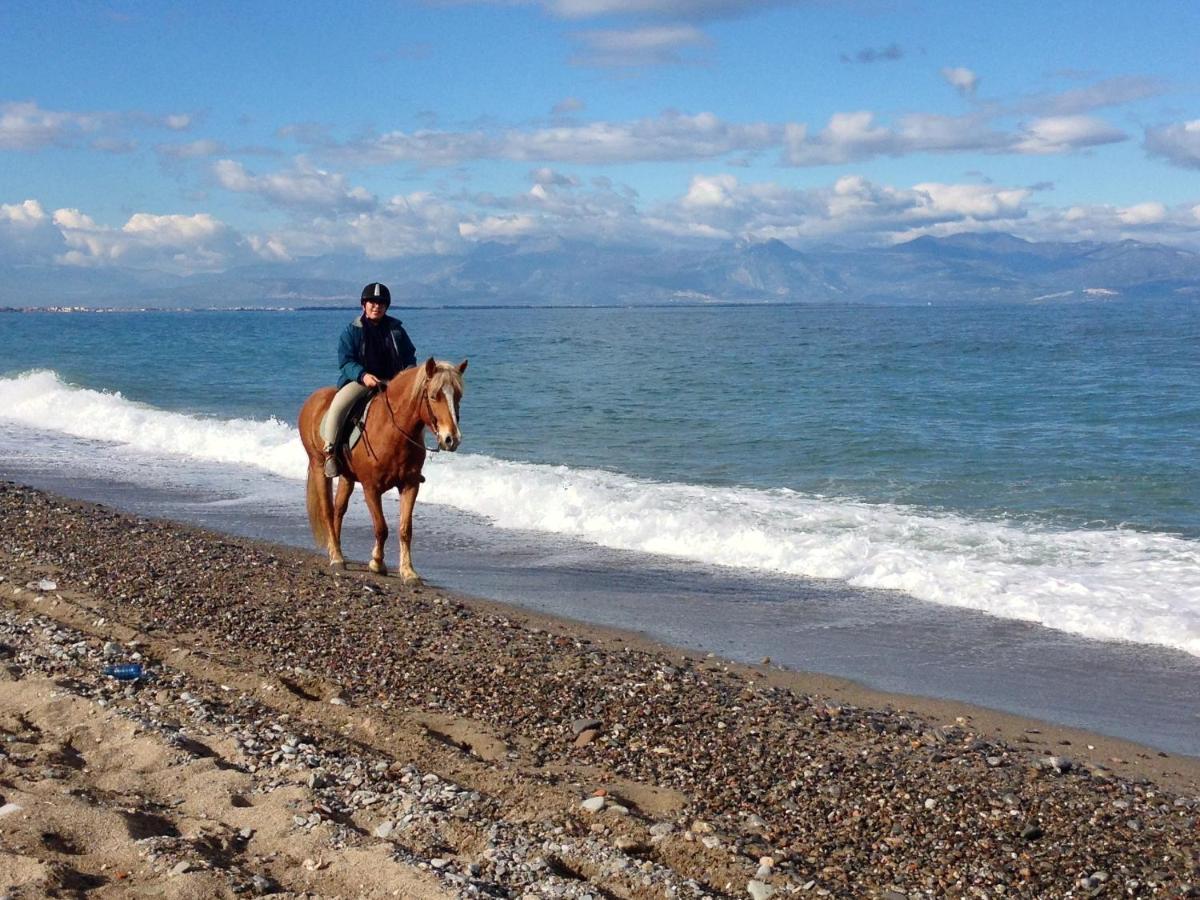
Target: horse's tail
point(319, 503)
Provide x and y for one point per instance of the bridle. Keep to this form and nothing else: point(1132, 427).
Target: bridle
point(404, 434)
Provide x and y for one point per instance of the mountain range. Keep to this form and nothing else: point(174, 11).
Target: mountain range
point(962, 268)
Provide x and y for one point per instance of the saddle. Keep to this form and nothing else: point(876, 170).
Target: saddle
point(355, 425)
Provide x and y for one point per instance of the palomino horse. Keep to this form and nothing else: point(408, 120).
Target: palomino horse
point(390, 454)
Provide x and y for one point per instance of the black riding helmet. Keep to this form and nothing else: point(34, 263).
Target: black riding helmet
point(377, 291)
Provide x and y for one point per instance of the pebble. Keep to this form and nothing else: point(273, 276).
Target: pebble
point(826, 774)
point(581, 725)
point(758, 890)
point(593, 804)
point(384, 829)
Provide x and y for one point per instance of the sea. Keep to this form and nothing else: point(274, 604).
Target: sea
point(991, 503)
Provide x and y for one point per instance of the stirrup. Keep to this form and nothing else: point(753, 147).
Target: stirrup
point(332, 469)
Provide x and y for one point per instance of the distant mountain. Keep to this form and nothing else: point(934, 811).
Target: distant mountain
point(958, 269)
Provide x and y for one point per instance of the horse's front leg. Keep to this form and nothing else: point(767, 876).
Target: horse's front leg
point(408, 499)
point(375, 506)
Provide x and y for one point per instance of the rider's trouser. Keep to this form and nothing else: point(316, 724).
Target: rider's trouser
point(335, 417)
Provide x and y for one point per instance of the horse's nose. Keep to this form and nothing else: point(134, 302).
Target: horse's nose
point(450, 442)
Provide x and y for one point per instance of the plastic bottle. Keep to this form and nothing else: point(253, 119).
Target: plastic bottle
point(124, 671)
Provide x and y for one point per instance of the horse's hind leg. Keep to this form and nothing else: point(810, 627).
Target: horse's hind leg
point(375, 507)
point(408, 499)
point(340, 504)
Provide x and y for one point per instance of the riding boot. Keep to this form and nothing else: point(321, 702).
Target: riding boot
point(332, 469)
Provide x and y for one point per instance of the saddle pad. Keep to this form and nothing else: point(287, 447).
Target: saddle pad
point(358, 421)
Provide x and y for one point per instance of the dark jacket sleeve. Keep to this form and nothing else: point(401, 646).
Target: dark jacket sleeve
point(349, 350)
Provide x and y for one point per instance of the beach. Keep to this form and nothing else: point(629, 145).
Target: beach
point(299, 732)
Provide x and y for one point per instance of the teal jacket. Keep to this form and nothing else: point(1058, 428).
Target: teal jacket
point(352, 344)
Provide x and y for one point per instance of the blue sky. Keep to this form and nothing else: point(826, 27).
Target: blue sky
point(197, 137)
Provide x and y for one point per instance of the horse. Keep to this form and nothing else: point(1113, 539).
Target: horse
point(390, 454)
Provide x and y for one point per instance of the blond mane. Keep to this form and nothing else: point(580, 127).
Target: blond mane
point(446, 375)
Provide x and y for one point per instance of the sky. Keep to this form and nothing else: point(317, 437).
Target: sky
point(198, 137)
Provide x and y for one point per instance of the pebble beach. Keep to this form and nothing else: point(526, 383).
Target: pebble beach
point(302, 733)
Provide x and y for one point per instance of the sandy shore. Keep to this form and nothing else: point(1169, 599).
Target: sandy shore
point(300, 733)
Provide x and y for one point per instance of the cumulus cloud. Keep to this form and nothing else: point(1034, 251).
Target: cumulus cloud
point(419, 222)
point(654, 45)
point(722, 205)
point(26, 126)
point(176, 243)
point(961, 79)
point(856, 137)
point(1061, 134)
point(27, 233)
point(1178, 143)
point(305, 186)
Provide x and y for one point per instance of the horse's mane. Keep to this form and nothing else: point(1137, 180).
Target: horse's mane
point(446, 375)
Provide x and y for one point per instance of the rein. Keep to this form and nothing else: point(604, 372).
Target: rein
point(404, 434)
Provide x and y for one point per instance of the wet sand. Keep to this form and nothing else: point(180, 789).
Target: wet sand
point(318, 707)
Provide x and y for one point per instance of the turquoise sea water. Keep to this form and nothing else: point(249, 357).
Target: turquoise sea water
point(926, 467)
point(1081, 415)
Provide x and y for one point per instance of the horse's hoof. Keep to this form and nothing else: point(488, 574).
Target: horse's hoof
point(338, 564)
point(412, 579)
point(377, 567)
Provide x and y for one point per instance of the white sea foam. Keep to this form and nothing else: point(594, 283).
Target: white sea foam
point(1106, 584)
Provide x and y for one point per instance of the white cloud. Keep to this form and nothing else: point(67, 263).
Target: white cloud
point(27, 233)
point(1150, 213)
point(178, 122)
point(961, 79)
point(856, 137)
point(492, 227)
point(1062, 134)
point(28, 213)
point(654, 45)
point(1178, 143)
point(171, 243)
point(669, 136)
point(686, 10)
point(305, 186)
point(26, 126)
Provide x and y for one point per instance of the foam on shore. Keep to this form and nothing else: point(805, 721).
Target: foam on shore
point(1110, 584)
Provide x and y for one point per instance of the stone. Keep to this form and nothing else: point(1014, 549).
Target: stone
point(181, 867)
point(9, 809)
point(586, 737)
point(579, 726)
point(759, 890)
point(384, 829)
point(661, 829)
point(593, 804)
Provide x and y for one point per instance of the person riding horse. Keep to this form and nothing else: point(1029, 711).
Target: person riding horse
point(372, 350)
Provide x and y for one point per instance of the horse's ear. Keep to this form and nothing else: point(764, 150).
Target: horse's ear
point(430, 367)
point(462, 367)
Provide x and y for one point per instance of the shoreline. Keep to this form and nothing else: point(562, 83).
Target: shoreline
point(680, 737)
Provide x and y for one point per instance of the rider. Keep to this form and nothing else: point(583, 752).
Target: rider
point(372, 349)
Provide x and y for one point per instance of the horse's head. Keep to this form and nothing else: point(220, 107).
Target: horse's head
point(442, 390)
